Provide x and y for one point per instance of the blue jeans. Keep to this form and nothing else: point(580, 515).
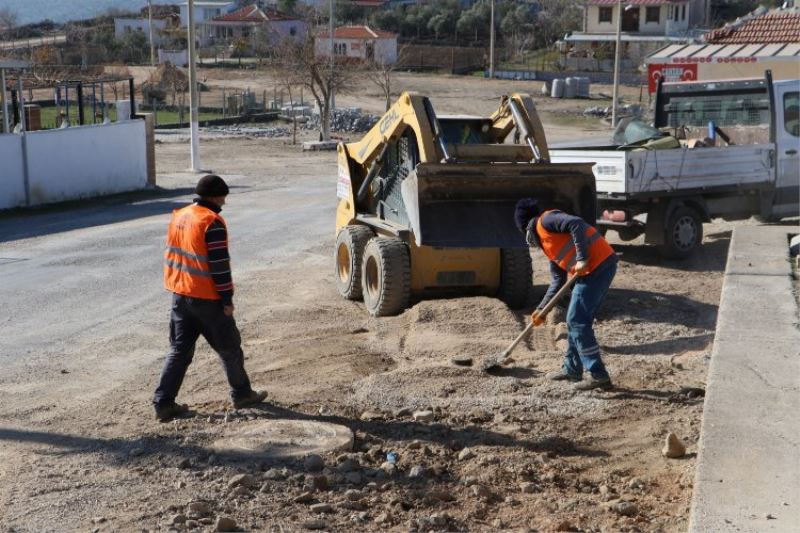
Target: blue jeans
point(588, 294)
point(190, 318)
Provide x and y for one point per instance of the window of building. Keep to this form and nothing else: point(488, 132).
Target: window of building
point(683, 12)
point(653, 15)
point(292, 31)
point(340, 49)
point(791, 113)
point(677, 13)
point(605, 14)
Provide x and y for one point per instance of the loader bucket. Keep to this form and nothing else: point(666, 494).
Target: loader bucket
point(471, 205)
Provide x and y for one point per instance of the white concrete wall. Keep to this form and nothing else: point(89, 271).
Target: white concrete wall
point(74, 163)
point(12, 184)
point(122, 25)
point(179, 58)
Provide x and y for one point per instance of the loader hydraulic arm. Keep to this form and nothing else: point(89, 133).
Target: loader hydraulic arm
point(518, 110)
point(409, 111)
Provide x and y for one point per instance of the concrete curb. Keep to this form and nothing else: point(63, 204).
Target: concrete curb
point(748, 470)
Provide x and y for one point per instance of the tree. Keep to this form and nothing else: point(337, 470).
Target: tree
point(381, 73)
point(297, 63)
point(8, 19)
point(286, 6)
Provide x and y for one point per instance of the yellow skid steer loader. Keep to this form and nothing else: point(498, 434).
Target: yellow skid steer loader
point(426, 203)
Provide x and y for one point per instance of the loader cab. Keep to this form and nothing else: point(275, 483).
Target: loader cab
point(465, 129)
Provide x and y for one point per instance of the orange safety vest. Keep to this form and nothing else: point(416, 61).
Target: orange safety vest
point(560, 248)
point(186, 268)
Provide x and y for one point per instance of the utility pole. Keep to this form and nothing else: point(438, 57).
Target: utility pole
point(491, 43)
point(195, 144)
point(615, 92)
point(150, 25)
point(333, 70)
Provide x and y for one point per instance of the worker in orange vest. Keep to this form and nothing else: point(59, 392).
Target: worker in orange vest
point(197, 271)
point(573, 248)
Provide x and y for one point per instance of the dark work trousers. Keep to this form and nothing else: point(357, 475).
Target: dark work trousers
point(190, 318)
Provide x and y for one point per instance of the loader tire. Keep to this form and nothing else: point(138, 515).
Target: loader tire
point(348, 256)
point(386, 276)
point(516, 277)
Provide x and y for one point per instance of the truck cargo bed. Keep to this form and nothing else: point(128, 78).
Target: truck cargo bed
point(632, 173)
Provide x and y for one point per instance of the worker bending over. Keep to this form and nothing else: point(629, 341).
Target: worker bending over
point(573, 247)
point(197, 271)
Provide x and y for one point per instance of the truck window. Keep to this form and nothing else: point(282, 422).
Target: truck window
point(791, 113)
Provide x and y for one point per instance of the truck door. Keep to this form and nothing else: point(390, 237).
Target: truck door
point(787, 130)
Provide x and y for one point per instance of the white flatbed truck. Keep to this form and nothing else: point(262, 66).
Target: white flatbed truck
point(751, 168)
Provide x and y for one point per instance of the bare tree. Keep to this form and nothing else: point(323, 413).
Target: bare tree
point(8, 19)
point(301, 66)
point(381, 72)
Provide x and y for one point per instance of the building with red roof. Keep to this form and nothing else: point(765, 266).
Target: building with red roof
point(746, 48)
point(358, 43)
point(254, 24)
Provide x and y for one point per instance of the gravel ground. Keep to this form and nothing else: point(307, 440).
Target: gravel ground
point(474, 451)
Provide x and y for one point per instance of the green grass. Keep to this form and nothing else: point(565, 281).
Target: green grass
point(49, 114)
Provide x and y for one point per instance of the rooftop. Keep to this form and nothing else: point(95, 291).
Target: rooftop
point(634, 2)
point(358, 32)
point(766, 27)
point(251, 14)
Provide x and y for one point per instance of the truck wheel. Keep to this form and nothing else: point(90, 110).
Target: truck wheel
point(386, 276)
point(348, 255)
point(683, 233)
point(516, 277)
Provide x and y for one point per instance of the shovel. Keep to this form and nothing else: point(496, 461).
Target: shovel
point(498, 359)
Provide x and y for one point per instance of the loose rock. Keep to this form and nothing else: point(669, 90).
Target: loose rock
point(466, 454)
point(423, 416)
point(225, 523)
point(527, 488)
point(199, 508)
point(417, 471)
point(321, 508)
point(626, 508)
point(243, 480)
point(314, 463)
point(673, 447)
point(315, 524)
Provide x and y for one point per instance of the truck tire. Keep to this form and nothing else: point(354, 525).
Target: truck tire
point(386, 276)
point(348, 256)
point(516, 277)
point(683, 232)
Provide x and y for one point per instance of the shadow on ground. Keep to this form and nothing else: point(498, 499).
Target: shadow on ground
point(67, 216)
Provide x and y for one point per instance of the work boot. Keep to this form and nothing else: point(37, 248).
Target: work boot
point(254, 398)
point(165, 413)
point(561, 375)
point(592, 382)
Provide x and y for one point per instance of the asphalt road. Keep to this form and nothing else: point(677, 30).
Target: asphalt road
point(82, 300)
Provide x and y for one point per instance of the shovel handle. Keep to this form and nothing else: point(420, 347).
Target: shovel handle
point(560, 294)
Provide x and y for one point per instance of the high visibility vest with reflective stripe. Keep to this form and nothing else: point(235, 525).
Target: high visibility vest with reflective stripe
point(560, 248)
point(186, 269)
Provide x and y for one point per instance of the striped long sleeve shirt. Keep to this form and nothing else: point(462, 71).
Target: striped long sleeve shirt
point(219, 260)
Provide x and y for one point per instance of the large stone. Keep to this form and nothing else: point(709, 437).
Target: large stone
point(423, 416)
point(225, 523)
point(243, 480)
point(321, 508)
point(466, 454)
point(314, 463)
point(673, 447)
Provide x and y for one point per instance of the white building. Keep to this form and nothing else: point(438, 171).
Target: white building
point(205, 10)
point(253, 23)
point(125, 26)
point(359, 42)
point(646, 25)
